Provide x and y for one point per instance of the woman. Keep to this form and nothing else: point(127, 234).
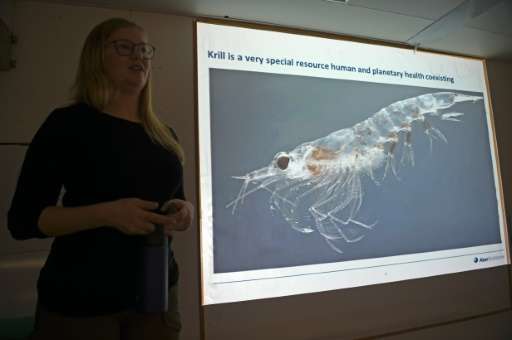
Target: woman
point(118, 164)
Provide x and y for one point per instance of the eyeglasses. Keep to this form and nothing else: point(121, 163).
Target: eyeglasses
point(127, 48)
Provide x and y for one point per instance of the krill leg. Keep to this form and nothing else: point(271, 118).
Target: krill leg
point(407, 153)
point(453, 116)
point(370, 173)
point(390, 160)
point(433, 133)
point(333, 246)
point(244, 193)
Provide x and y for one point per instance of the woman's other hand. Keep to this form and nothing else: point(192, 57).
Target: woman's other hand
point(133, 216)
point(182, 214)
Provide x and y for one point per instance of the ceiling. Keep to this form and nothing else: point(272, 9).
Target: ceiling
point(480, 28)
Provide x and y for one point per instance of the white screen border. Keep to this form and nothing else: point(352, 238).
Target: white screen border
point(268, 283)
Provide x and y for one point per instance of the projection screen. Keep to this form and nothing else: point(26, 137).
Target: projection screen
point(327, 164)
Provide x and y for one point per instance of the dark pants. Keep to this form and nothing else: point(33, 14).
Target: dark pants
point(126, 325)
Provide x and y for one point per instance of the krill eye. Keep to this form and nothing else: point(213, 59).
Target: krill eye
point(282, 162)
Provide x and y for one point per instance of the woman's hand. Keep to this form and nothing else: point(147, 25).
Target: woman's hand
point(133, 216)
point(181, 212)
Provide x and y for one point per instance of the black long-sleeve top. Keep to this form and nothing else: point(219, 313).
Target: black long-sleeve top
point(96, 158)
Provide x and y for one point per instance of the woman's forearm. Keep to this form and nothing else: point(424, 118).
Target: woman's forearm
point(58, 221)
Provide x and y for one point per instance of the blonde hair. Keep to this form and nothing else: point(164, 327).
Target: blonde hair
point(93, 87)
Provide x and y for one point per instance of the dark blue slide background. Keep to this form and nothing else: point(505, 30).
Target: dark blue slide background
point(446, 201)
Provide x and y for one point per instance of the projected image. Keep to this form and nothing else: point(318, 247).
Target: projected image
point(311, 170)
point(317, 185)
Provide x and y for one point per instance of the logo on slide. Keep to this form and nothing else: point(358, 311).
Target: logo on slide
point(475, 259)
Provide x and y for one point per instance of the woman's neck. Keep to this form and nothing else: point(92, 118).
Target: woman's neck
point(124, 106)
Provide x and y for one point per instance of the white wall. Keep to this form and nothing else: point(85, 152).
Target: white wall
point(50, 38)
